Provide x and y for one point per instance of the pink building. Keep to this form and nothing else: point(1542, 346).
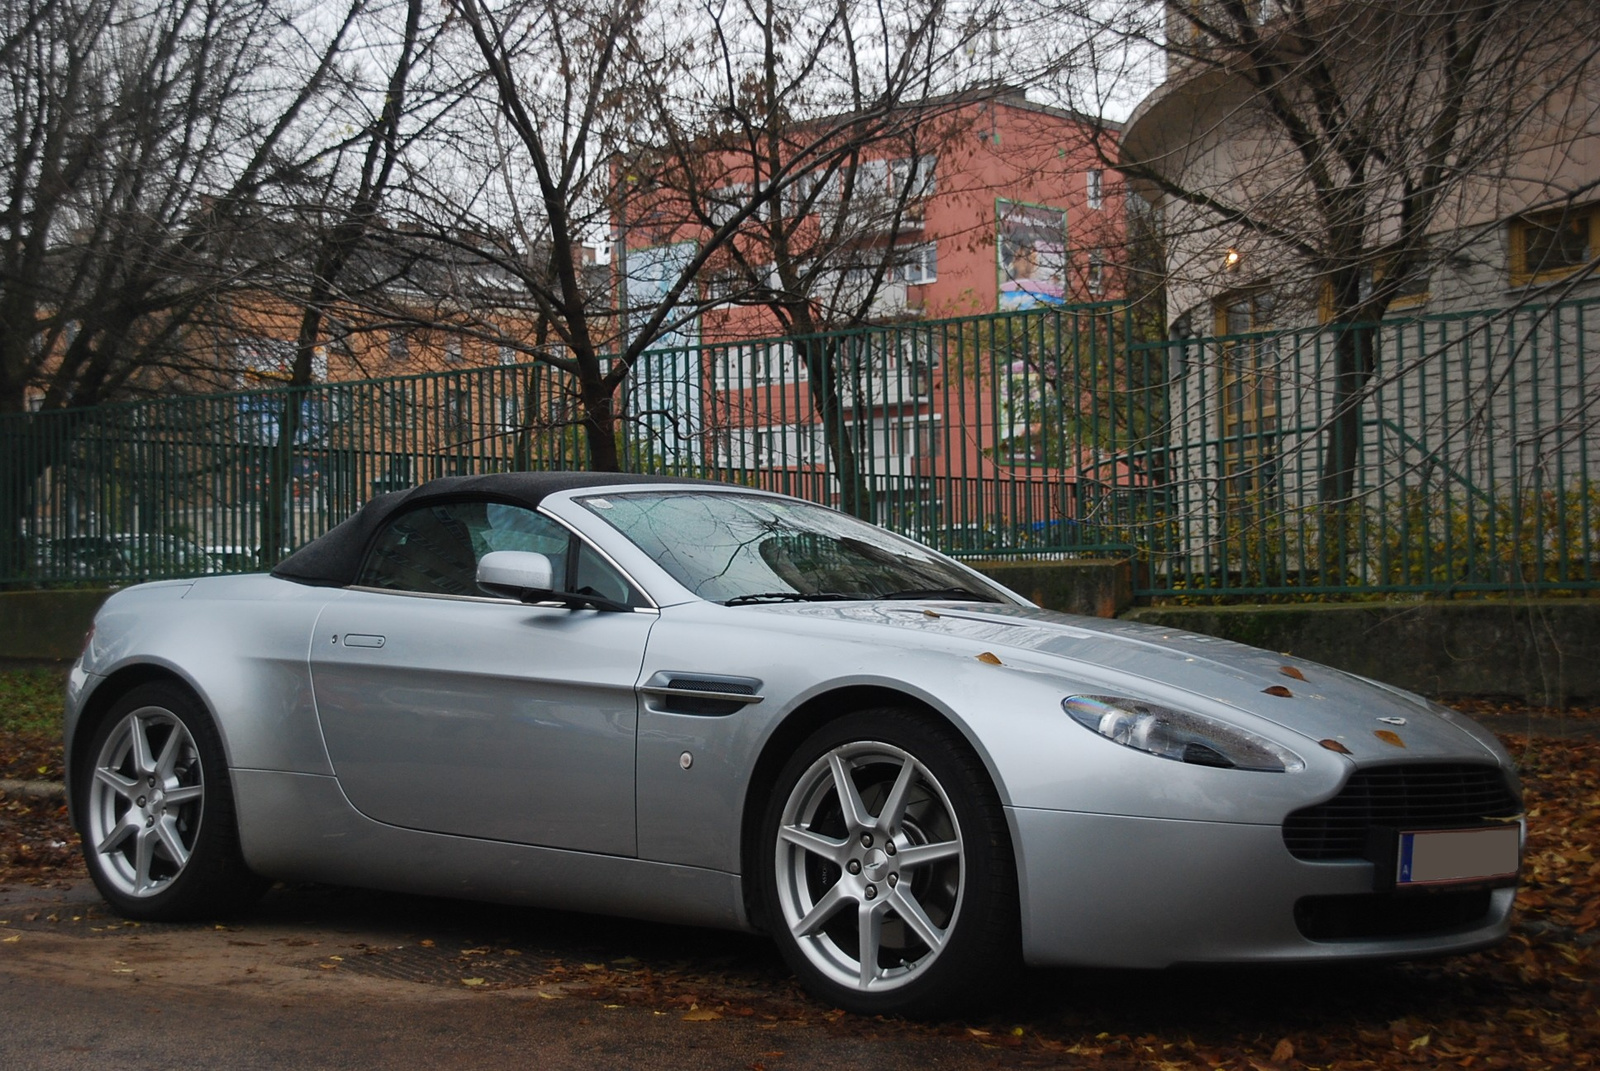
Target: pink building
point(996, 206)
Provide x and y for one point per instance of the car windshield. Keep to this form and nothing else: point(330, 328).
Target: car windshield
point(736, 549)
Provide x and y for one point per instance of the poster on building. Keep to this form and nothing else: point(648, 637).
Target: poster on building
point(1031, 247)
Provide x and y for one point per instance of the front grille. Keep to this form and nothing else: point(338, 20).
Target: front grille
point(1378, 915)
point(1433, 796)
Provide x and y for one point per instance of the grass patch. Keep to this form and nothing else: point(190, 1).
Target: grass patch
point(30, 700)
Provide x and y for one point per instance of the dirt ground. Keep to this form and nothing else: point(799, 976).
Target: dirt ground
point(344, 978)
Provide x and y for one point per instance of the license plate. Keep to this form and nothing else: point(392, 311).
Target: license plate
point(1451, 856)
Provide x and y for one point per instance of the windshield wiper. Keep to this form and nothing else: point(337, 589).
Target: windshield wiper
point(940, 593)
point(792, 596)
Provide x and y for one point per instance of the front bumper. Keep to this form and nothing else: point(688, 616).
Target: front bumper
point(1111, 891)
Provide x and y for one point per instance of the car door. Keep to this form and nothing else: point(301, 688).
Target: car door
point(448, 711)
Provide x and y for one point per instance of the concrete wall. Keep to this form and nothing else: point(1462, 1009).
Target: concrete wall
point(1093, 588)
point(46, 626)
point(1546, 651)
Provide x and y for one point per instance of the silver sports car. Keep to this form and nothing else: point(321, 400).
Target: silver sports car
point(687, 701)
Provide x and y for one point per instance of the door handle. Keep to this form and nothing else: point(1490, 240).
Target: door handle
point(362, 639)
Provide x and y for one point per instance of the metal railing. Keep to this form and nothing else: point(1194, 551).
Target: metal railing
point(1456, 454)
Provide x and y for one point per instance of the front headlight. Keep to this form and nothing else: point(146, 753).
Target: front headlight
point(1177, 734)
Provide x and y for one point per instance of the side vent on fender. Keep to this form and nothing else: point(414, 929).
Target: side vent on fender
point(707, 695)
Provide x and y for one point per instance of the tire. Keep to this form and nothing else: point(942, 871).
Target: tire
point(159, 832)
point(885, 824)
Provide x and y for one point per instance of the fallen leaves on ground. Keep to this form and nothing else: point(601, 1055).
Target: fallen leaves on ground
point(37, 843)
point(1529, 1003)
point(30, 756)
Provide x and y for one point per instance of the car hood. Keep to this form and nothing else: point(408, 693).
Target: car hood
point(1375, 722)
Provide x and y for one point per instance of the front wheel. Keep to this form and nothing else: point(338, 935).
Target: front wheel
point(888, 874)
point(158, 826)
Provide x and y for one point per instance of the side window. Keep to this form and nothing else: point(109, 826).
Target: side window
point(435, 549)
point(596, 577)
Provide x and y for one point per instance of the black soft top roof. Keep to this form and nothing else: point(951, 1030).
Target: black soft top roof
point(334, 558)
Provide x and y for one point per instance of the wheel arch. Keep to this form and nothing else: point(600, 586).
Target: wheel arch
point(807, 718)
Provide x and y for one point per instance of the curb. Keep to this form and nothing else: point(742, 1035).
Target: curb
point(39, 790)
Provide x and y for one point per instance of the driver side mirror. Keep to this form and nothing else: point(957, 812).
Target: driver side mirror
point(516, 574)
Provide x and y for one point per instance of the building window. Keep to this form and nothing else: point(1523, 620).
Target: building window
point(1096, 188)
point(1097, 273)
point(870, 178)
point(452, 350)
point(917, 265)
point(726, 201)
point(723, 285)
point(457, 413)
point(921, 184)
point(1411, 293)
point(1552, 245)
point(801, 195)
point(1249, 410)
point(510, 414)
point(742, 367)
point(397, 403)
point(399, 348)
point(907, 439)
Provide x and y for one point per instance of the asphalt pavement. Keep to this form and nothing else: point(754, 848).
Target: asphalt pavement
point(325, 978)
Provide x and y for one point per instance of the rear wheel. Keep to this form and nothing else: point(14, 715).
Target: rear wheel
point(889, 876)
point(159, 832)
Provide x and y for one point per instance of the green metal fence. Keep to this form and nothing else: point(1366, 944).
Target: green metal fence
point(1457, 454)
point(1472, 445)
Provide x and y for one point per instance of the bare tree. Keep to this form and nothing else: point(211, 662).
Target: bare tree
point(335, 211)
point(155, 146)
point(686, 124)
point(841, 114)
point(142, 134)
point(559, 79)
point(1343, 154)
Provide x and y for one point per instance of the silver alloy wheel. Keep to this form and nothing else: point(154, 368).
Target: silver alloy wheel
point(870, 866)
point(145, 801)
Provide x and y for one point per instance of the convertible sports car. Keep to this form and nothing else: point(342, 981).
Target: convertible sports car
point(687, 701)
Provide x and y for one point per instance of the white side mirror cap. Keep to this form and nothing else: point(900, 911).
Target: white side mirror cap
point(516, 574)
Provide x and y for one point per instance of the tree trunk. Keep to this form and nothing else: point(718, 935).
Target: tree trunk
point(277, 503)
point(277, 495)
point(1355, 357)
point(18, 473)
point(825, 377)
point(30, 443)
point(599, 424)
